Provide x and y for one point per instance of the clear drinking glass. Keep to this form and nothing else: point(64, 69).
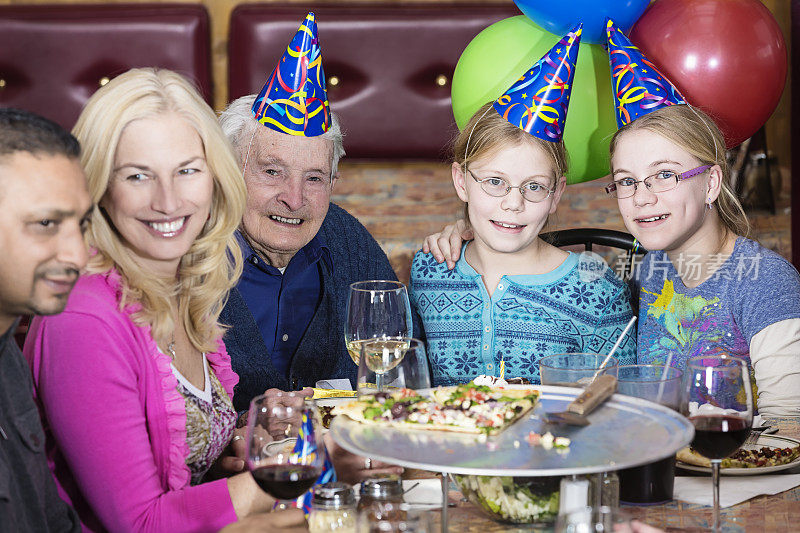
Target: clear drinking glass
point(654, 482)
point(716, 397)
point(288, 472)
point(574, 369)
point(395, 518)
point(594, 520)
point(391, 363)
point(376, 309)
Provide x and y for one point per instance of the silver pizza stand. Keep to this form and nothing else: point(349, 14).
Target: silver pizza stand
point(624, 432)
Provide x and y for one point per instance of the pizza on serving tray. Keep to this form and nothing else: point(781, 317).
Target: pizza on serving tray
point(465, 408)
point(744, 458)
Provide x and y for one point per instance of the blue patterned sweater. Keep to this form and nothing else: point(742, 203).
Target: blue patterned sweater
point(581, 306)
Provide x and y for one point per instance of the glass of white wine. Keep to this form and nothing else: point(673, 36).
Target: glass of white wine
point(390, 363)
point(376, 309)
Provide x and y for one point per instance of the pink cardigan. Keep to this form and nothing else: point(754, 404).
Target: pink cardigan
point(115, 422)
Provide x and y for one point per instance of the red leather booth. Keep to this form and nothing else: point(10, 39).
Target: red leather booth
point(53, 57)
point(388, 67)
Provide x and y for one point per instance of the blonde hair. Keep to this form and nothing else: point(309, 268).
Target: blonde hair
point(487, 132)
point(693, 131)
point(212, 265)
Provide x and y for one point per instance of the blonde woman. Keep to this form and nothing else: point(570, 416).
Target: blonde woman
point(133, 380)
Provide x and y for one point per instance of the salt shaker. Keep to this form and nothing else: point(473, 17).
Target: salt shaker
point(380, 490)
point(573, 494)
point(609, 490)
point(333, 508)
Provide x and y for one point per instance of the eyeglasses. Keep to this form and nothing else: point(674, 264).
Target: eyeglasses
point(497, 187)
point(663, 180)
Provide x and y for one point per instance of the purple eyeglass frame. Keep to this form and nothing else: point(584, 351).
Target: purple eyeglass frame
point(612, 187)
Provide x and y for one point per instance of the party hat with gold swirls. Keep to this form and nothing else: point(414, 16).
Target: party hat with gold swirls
point(639, 88)
point(294, 99)
point(538, 101)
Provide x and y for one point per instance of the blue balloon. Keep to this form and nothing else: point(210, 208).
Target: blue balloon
point(558, 16)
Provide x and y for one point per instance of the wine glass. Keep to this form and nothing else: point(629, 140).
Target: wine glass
point(288, 470)
point(391, 363)
point(376, 309)
point(717, 398)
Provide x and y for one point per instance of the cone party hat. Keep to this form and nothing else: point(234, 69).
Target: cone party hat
point(537, 103)
point(639, 88)
point(294, 99)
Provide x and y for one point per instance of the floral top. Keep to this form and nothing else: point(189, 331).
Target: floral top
point(210, 420)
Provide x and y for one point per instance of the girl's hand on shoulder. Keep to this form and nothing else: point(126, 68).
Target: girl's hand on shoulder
point(446, 245)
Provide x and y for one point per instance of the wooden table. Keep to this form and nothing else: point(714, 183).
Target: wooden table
point(779, 513)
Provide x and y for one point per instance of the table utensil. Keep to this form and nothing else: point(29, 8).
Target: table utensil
point(376, 309)
point(592, 396)
point(718, 400)
point(284, 473)
point(755, 433)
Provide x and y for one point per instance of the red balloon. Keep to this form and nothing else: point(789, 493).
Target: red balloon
point(727, 57)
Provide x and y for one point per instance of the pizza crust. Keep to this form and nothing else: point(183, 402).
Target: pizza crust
point(691, 457)
point(355, 411)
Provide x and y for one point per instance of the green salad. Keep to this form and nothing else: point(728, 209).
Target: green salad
point(518, 500)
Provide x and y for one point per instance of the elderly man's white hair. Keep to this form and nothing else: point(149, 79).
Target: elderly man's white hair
point(239, 127)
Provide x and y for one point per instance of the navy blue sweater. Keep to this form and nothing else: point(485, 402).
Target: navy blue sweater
point(321, 354)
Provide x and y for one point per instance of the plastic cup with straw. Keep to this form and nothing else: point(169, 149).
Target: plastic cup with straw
point(614, 348)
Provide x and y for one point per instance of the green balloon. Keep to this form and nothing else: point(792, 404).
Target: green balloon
point(501, 53)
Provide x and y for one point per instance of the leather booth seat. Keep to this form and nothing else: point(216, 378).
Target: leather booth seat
point(388, 67)
point(53, 58)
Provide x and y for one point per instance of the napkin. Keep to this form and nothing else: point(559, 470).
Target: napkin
point(340, 384)
point(732, 489)
point(427, 494)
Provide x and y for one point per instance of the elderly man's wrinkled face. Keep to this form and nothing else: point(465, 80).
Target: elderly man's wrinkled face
point(289, 188)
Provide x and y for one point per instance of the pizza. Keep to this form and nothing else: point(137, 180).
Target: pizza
point(468, 408)
point(744, 458)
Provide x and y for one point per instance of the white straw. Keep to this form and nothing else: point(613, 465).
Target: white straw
point(664, 377)
point(614, 348)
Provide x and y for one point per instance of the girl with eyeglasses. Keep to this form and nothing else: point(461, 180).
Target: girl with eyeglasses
point(513, 298)
point(705, 288)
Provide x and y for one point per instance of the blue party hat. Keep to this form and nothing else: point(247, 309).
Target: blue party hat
point(306, 446)
point(294, 99)
point(639, 88)
point(538, 101)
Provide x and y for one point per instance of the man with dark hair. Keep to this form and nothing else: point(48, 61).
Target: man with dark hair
point(44, 211)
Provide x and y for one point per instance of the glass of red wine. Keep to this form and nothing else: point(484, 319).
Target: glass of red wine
point(717, 398)
point(288, 467)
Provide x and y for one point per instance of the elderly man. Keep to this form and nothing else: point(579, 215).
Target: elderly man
point(301, 255)
point(301, 251)
point(44, 210)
